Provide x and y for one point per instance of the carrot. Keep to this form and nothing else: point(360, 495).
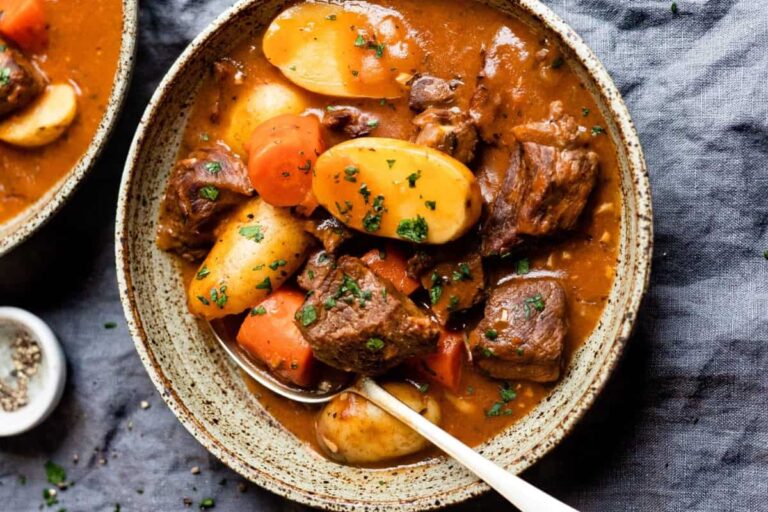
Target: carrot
point(281, 159)
point(391, 265)
point(23, 22)
point(444, 366)
point(270, 335)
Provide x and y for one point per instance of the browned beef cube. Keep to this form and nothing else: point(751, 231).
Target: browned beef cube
point(545, 194)
point(20, 81)
point(318, 265)
point(350, 120)
point(202, 188)
point(455, 282)
point(328, 230)
point(522, 334)
point(358, 322)
point(448, 130)
point(430, 91)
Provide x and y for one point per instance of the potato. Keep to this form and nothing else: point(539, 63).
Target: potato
point(260, 104)
point(397, 189)
point(44, 121)
point(313, 46)
point(353, 430)
point(258, 248)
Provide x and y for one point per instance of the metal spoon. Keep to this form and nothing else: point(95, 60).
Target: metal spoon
point(520, 493)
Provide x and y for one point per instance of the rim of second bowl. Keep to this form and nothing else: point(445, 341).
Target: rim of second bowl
point(643, 246)
point(33, 217)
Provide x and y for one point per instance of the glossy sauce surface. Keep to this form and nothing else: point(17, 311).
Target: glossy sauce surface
point(83, 49)
point(583, 260)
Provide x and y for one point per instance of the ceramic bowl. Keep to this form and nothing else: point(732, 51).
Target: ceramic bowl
point(20, 227)
point(203, 387)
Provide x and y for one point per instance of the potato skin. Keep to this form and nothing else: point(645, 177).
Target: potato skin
point(238, 265)
point(353, 430)
point(260, 104)
point(397, 180)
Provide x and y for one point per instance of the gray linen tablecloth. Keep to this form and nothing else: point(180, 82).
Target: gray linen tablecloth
point(683, 424)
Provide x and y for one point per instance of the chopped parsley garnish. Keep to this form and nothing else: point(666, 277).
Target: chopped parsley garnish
point(110, 325)
point(5, 76)
point(536, 302)
point(558, 63)
point(491, 334)
point(55, 473)
point(373, 123)
point(306, 167)
point(346, 209)
point(49, 496)
point(415, 230)
point(431, 205)
point(597, 130)
point(374, 344)
point(203, 300)
point(350, 172)
point(307, 315)
point(673, 8)
point(497, 409)
point(424, 388)
point(259, 266)
point(213, 167)
point(391, 163)
point(360, 41)
point(355, 72)
point(277, 263)
point(311, 274)
point(207, 503)
point(765, 254)
point(202, 273)
point(519, 351)
point(523, 266)
point(252, 233)
point(379, 50)
point(372, 222)
point(2, 48)
point(383, 253)
point(205, 137)
point(266, 284)
point(329, 303)
point(453, 303)
point(507, 394)
point(585, 111)
point(435, 292)
point(378, 203)
point(331, 17)
point(463, 274)
point(258, 311)
point(412, 178)
point(488, 352)
point(209, 192)
point(365, 192)
point(219, 297)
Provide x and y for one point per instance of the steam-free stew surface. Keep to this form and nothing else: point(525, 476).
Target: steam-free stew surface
point(83, 49)
point(452, 35)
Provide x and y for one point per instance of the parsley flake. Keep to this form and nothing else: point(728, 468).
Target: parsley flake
point(213, 167)
point(374, 344)
point(208, 192)
point(415, 230)
point(252, 233)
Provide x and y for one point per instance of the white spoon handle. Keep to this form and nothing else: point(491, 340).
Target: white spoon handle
point(519, 492)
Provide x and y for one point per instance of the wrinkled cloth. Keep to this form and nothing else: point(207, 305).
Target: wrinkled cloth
point(681, 426)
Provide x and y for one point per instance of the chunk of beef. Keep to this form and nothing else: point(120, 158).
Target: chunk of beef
point(329, 230)
point(20, 80)
point(448, 130)
point(559, 130)
point(318, 265)
point(359, 322)
point(522, 333)
point(455, 283)
point(429, 91)
point(545, 194)
point(420, 262)
point(493, 165)
point(202, 188)
point(350, 120)
point(225, 72)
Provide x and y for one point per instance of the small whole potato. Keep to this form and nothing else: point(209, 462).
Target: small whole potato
point(353, 430)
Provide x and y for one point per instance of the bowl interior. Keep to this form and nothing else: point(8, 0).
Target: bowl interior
point(19, 228)
point(205, 390)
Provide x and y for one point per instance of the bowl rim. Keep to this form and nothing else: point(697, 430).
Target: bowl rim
point(637, 284)
point(45, 207)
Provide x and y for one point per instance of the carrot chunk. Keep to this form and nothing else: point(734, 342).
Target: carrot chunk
point(444, 366)
point(391, 265)
point(270, 335)
point(23, 22)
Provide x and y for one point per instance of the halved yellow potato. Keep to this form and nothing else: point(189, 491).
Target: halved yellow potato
point(260, 246)
point(349, 51)
point(44, 121)
point(260, 104)
point(397, 189)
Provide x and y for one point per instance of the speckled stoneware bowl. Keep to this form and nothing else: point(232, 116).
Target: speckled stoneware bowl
point(203, 387)
point(19, 228)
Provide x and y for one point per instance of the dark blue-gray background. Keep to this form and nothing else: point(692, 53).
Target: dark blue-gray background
point(682, 425)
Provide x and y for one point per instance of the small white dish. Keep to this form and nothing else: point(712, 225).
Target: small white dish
point(47, 385)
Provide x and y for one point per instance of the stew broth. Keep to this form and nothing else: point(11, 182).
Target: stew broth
point(453, 35)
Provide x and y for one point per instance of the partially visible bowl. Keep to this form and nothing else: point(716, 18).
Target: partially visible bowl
point(204, 389)
point(18, 228)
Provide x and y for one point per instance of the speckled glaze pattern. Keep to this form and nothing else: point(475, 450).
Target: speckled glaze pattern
point(204, 389)
point(19, 228)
